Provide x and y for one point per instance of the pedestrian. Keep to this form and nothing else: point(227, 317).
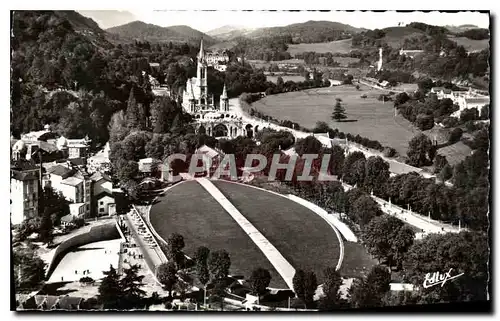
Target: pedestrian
point(76, 272)
point(62, 279)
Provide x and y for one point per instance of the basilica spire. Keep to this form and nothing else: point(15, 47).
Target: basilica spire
point(224, 92)
point(201, 54)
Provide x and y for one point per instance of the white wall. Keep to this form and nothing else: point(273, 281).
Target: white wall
point(21, 205)
point(69, 192)
point(103, 205)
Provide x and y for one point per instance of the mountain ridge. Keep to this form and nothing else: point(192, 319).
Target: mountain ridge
point(139, 30)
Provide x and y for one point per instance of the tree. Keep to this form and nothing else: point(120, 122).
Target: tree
point(159, 121)
point(29, 268)
point(401, 98)
point(305, 285)
point(424, 122)
point(308, 145)
point(368, 293)
point(175, 244)
point(219, 263)
point(46, 226)
point(117, 127)
point(400, 244)
point(337, 158)
point(260, 280)
point(376, 173)
point(310, 287)
point(418, 150)
point(465, 252)
point(379, 279)
point(446, 173)
point(363, 210)
point(338, 111)
point(298, 284)
point(167, 276)
point(331, 299)
point(75, 120)
point(455, 135)
point(130, 285)
point(134, 113)
point(201, 258)
point(439, 163)
point(347, 169)
point(110, 289)
point(485, 112)
point(321, 127)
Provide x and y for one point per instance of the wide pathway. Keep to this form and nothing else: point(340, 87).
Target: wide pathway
point(417, 220)
point(284, 268)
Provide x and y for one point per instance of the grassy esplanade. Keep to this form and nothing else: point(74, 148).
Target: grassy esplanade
point(188, 209)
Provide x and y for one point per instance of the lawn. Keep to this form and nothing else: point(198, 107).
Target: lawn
point(340, 46)
point(357, 262)
point(302, 237)
point(470, 44)
point(191, 211)
point(455, 153)
point(367, 117)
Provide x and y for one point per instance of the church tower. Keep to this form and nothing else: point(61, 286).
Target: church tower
point(201, 74)
point(224, 100)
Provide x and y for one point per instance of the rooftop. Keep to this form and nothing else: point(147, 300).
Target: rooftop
point(97, 176)
point(210, 152)
point(60, 170)
point(24, 175)
point(72, 181)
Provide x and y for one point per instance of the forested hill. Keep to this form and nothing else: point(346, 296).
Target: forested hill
point(309, 32)
point(138, 30)
point(54, 52)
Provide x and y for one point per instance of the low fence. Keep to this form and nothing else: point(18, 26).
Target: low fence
point(103, 232)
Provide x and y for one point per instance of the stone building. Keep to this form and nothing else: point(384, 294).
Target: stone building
point(212, 119)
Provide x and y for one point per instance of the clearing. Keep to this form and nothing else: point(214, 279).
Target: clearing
point(367, 117)
point(339, 46)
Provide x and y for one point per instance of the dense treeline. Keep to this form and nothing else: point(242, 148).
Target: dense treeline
point(389, 239)
point(62, 78)
point(315, 58)
point(475, 34)
point(267, 48)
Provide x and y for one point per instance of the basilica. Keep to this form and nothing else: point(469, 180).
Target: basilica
point(217, 120)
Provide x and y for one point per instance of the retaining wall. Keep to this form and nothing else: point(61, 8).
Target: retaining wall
point(103, 232)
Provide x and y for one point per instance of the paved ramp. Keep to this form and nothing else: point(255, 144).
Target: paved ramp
point(281, 265)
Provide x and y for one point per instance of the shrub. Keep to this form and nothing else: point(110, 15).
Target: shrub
point(455, 135)
point(86, 280)
point(389, 152)
point(424, 122)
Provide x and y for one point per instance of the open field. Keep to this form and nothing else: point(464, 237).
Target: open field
point(368, 117)
point(340, 46)
point(455, 153)
point(191, 211)
point(470, 44)
point(297, 78)
point(265, 64)
point(345, 61)
point(301, 236)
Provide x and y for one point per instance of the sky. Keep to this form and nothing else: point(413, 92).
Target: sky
point(209, 20)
